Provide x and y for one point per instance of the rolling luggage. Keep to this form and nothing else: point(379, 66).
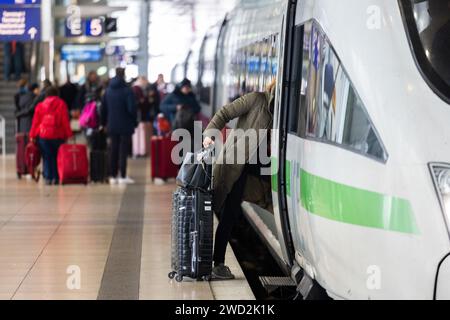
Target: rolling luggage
point(99, 166)
point(33, 160)
point(192, 223)
point(161, 160)
point(21, 144)
point(141, 140)
point(73, 164)
point(99, 157)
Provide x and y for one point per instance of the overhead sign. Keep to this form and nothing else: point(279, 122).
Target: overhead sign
point(82, 53)
point(22, 2)
point(20, 24)
point(94, 27)
point(84, 27)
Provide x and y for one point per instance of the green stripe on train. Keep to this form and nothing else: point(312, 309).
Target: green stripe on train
point(354, 206)
point(274, 174)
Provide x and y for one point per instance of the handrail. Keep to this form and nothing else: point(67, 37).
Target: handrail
point(3, 134)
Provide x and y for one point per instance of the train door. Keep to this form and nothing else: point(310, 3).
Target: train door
point(295, 152)
point(279, 147)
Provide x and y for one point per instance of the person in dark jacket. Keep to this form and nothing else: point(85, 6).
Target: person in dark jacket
point(14, 59)
point(181, 98)
point(90, 91)
point(22, 89)
point(69, 93)
point(119, 117)
point(25, 109)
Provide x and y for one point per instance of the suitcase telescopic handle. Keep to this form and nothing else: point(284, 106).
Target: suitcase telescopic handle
point(210, 151)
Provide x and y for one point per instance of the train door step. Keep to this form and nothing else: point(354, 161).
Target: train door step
point(274, 283)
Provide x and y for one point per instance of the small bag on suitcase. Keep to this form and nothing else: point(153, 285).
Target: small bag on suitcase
point(192, 226)
point(21, 145)
point(73, 164)
point(161, 161)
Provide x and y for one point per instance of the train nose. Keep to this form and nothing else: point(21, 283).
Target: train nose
point(442, 288)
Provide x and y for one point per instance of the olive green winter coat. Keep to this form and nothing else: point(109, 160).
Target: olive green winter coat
point(253, 112)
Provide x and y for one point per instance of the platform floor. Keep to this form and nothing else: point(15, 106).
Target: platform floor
point(94, 242)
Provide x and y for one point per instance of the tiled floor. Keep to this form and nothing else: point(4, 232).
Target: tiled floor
point(55, 241)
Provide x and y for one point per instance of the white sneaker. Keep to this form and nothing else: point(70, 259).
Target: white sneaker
point(159, 182)
point(124, 181)
point(113, 181)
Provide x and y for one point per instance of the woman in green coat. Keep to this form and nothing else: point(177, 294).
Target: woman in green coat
point(237, 181)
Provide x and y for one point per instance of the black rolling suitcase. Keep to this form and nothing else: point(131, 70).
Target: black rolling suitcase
point(193, 222)
point(99, 157)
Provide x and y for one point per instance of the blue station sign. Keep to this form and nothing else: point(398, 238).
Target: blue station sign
point(82, 53)
point(20, 2)
point(19, 23)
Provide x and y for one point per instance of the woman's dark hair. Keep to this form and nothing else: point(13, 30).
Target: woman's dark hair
point(51, 92)
point(33, 87)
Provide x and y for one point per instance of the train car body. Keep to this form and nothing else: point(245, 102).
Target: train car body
point(360, 150)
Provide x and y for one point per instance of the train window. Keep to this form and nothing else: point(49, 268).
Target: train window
point(335, 113)
point(358, 131)
point(300, 67)
point(428, 27)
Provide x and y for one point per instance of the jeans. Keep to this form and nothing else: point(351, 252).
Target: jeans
point(49, 150)
point(120, 149)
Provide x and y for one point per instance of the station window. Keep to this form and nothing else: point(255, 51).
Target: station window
point(329, 108)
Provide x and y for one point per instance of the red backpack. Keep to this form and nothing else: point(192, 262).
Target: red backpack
point(49, 125)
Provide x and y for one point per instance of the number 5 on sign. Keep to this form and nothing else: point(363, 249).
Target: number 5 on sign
point(94, 27)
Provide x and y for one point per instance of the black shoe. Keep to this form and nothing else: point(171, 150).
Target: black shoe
point(48, 182)
point(222, 272)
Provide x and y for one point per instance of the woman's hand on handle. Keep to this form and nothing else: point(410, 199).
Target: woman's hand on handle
point(208, 142)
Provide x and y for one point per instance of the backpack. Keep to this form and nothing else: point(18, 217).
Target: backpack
point(89, 116)
point(49, 125)
point(185, 119)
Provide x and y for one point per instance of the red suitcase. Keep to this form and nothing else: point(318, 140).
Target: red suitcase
point(21, 145)
point(73, 164)
point(33, 160)
point(162, 165)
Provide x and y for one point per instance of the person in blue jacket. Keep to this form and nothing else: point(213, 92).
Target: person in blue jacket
point(119, 117)
point(182, 99)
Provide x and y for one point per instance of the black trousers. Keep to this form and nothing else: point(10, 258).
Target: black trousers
point(120, 149)
point(232, 212)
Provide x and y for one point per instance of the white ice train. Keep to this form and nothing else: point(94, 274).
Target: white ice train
point(361, 183)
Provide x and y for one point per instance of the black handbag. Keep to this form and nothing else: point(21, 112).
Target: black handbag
point(196, 171)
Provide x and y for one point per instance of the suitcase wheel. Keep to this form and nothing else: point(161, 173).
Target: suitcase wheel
point(172, 275)
point(207, 278)
point(179, 278)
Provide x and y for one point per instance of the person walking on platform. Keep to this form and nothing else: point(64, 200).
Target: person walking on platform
point(181, 106)
point(236, 182)
point(51, 128)
point(69, 93)
point(119, 117)
point(25, 109)
point(14, 59)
